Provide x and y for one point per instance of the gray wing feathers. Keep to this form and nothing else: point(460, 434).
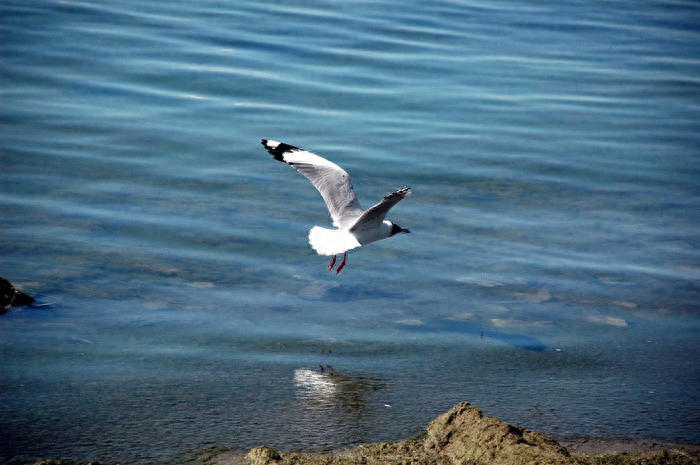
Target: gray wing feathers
point(376, 214)
point(330, 179)
point(336, 189)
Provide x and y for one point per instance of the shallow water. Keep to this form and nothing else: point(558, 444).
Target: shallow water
point(552, 275)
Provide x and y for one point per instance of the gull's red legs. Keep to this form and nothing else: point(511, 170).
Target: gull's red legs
point(330, 267)
point(345, 259)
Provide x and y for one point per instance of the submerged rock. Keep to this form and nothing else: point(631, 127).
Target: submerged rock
point(11, 297)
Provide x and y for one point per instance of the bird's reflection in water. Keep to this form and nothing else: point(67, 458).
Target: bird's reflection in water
point(329, 390)
point(332, 408)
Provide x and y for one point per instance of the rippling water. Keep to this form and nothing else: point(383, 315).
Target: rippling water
point(552, 276)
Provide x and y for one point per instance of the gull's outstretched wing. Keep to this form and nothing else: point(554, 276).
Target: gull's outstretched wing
point(330, 179)
point(375, 215)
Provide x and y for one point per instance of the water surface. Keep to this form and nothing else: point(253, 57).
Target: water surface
point(552, 276)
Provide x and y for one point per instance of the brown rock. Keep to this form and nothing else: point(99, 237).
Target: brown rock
point(263, 455)
point(464, 435)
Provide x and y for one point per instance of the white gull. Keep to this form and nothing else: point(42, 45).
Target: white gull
point(355, 226)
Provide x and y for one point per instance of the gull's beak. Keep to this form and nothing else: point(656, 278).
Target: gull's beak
point(404, 230)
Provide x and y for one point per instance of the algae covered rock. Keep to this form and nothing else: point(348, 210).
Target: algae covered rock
point(464, 435)
point(263, 455)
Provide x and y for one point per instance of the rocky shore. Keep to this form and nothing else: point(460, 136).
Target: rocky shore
point(464, 436)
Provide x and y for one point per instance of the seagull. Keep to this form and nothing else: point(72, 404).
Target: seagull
point(354, 226)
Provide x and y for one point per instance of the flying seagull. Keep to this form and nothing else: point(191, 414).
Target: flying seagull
point(355, 226)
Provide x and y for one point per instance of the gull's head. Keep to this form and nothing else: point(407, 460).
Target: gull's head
point(395, 229)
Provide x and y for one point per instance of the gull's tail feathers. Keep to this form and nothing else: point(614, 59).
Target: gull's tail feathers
point(331, 241)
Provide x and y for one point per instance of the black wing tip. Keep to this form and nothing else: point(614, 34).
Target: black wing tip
point(278, 149)
point(403, 192)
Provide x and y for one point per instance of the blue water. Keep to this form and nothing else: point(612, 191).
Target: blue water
point(552, 276)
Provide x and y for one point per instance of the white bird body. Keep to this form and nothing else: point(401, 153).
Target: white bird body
point(335, 241)
point(332, 241)
point(382, 231)
point(355, 226)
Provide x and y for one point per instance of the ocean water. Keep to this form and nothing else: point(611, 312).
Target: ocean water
point(552, 276)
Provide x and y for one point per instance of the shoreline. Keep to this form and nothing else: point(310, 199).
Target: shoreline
point(463, 435)
point(600, 446)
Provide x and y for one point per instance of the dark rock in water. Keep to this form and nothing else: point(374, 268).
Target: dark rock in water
point(11, 297)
